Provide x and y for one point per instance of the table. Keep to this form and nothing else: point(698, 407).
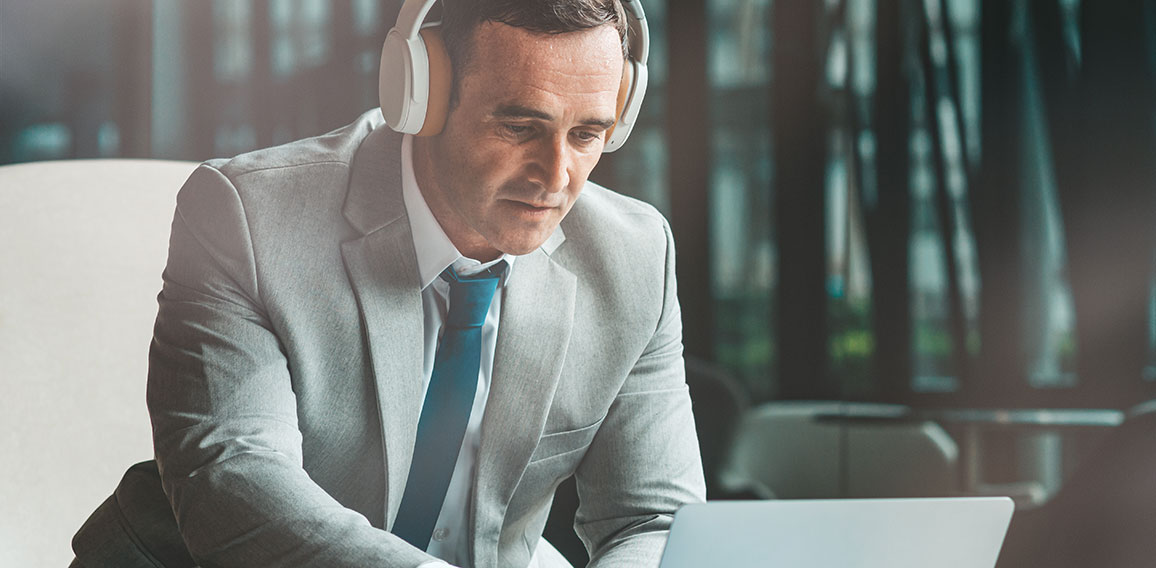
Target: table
point(975, 421)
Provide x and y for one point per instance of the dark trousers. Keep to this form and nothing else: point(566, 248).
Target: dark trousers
point(133, 528)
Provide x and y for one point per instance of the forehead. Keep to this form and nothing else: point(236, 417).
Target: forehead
point(509, 61)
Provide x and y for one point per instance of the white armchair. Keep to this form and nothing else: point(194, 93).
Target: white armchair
point(787, 450)
point(82, 247)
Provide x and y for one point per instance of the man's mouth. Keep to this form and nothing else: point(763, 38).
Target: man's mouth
point(532, 206)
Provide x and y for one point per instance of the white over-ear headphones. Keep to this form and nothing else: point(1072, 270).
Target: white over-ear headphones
point(415, 78)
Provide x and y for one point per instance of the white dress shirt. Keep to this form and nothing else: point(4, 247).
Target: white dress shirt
point(435, 252)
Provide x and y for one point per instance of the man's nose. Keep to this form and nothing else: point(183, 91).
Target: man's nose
point(552, 164)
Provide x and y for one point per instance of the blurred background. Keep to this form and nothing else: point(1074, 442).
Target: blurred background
point(890, 213)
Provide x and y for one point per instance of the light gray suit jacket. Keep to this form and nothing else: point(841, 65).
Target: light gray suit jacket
point(285, 370)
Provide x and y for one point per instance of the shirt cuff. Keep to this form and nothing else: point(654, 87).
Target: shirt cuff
point(434, 564)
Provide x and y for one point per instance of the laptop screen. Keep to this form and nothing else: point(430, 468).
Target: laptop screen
point(853, 533)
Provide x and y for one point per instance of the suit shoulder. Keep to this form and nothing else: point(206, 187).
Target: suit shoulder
point(297, 189)
point(334, 149)
point(609, 229)
point(613, 213)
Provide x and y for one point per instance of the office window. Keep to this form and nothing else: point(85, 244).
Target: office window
point(60, 80)
point(639, 168)
point(1049, 318)
point(366, 16)
point(944, 272)
point(932, 348)
point(1150, 370)
point(742, 243)
point(187, 79)
point(300, 33)
point(233, 63)
point(46, 141)
point(849, 72)
point(233, 48)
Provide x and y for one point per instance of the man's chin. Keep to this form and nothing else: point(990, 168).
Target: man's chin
point(520, 249)
point(523, 245)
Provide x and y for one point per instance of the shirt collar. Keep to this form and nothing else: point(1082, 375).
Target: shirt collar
point(435, 251)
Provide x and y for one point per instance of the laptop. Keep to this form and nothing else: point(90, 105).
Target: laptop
point(837, 533)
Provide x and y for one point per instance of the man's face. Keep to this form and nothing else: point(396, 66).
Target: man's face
point(530, 122)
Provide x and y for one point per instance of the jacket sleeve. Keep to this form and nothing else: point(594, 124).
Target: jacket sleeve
point(644, 462)
point(224, 413)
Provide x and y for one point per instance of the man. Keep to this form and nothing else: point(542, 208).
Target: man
point(296, 346)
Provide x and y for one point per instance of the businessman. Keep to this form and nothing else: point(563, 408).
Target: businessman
point(378, 349)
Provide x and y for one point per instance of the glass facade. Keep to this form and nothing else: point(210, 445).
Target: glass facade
point(741, 194)
point(194, 80)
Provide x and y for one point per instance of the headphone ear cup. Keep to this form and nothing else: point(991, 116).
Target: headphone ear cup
point(440, 82)
point(405, 79)
point(623, 95)
point(630, 94)
point(395, 81)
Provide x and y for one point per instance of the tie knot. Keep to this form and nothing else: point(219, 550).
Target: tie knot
point(470, 296)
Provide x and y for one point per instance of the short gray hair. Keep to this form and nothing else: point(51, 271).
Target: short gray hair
point(460, 18)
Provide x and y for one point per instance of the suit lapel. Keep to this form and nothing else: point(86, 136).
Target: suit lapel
point(382, 267)
point(537, 318)
point(533, 335)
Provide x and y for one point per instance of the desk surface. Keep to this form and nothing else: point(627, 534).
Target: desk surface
point(1078, 417)
point(1040, 417)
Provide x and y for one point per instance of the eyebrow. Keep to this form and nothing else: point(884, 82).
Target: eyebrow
point(519, 111)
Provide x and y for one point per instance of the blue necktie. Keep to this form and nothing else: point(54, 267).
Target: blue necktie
point(448, 401)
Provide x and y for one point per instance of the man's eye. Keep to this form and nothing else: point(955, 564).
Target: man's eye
point(587, 136)
point(516, 129)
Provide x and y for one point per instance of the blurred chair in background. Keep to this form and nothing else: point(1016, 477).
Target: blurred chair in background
point(719, 404)
point(815, 450)
point(84, 244)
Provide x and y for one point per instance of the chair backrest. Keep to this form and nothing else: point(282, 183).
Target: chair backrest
point(793, 450)
point(719, 402)
point(82, 247)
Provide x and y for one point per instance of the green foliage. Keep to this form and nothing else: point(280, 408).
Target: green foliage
point(745, 342)
point(851, 346)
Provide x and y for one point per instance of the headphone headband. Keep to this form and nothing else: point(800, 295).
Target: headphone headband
point(639, 32)
point(411, 16)
point(415, 80)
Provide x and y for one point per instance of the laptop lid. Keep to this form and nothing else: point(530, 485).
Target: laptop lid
point(852, 533)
